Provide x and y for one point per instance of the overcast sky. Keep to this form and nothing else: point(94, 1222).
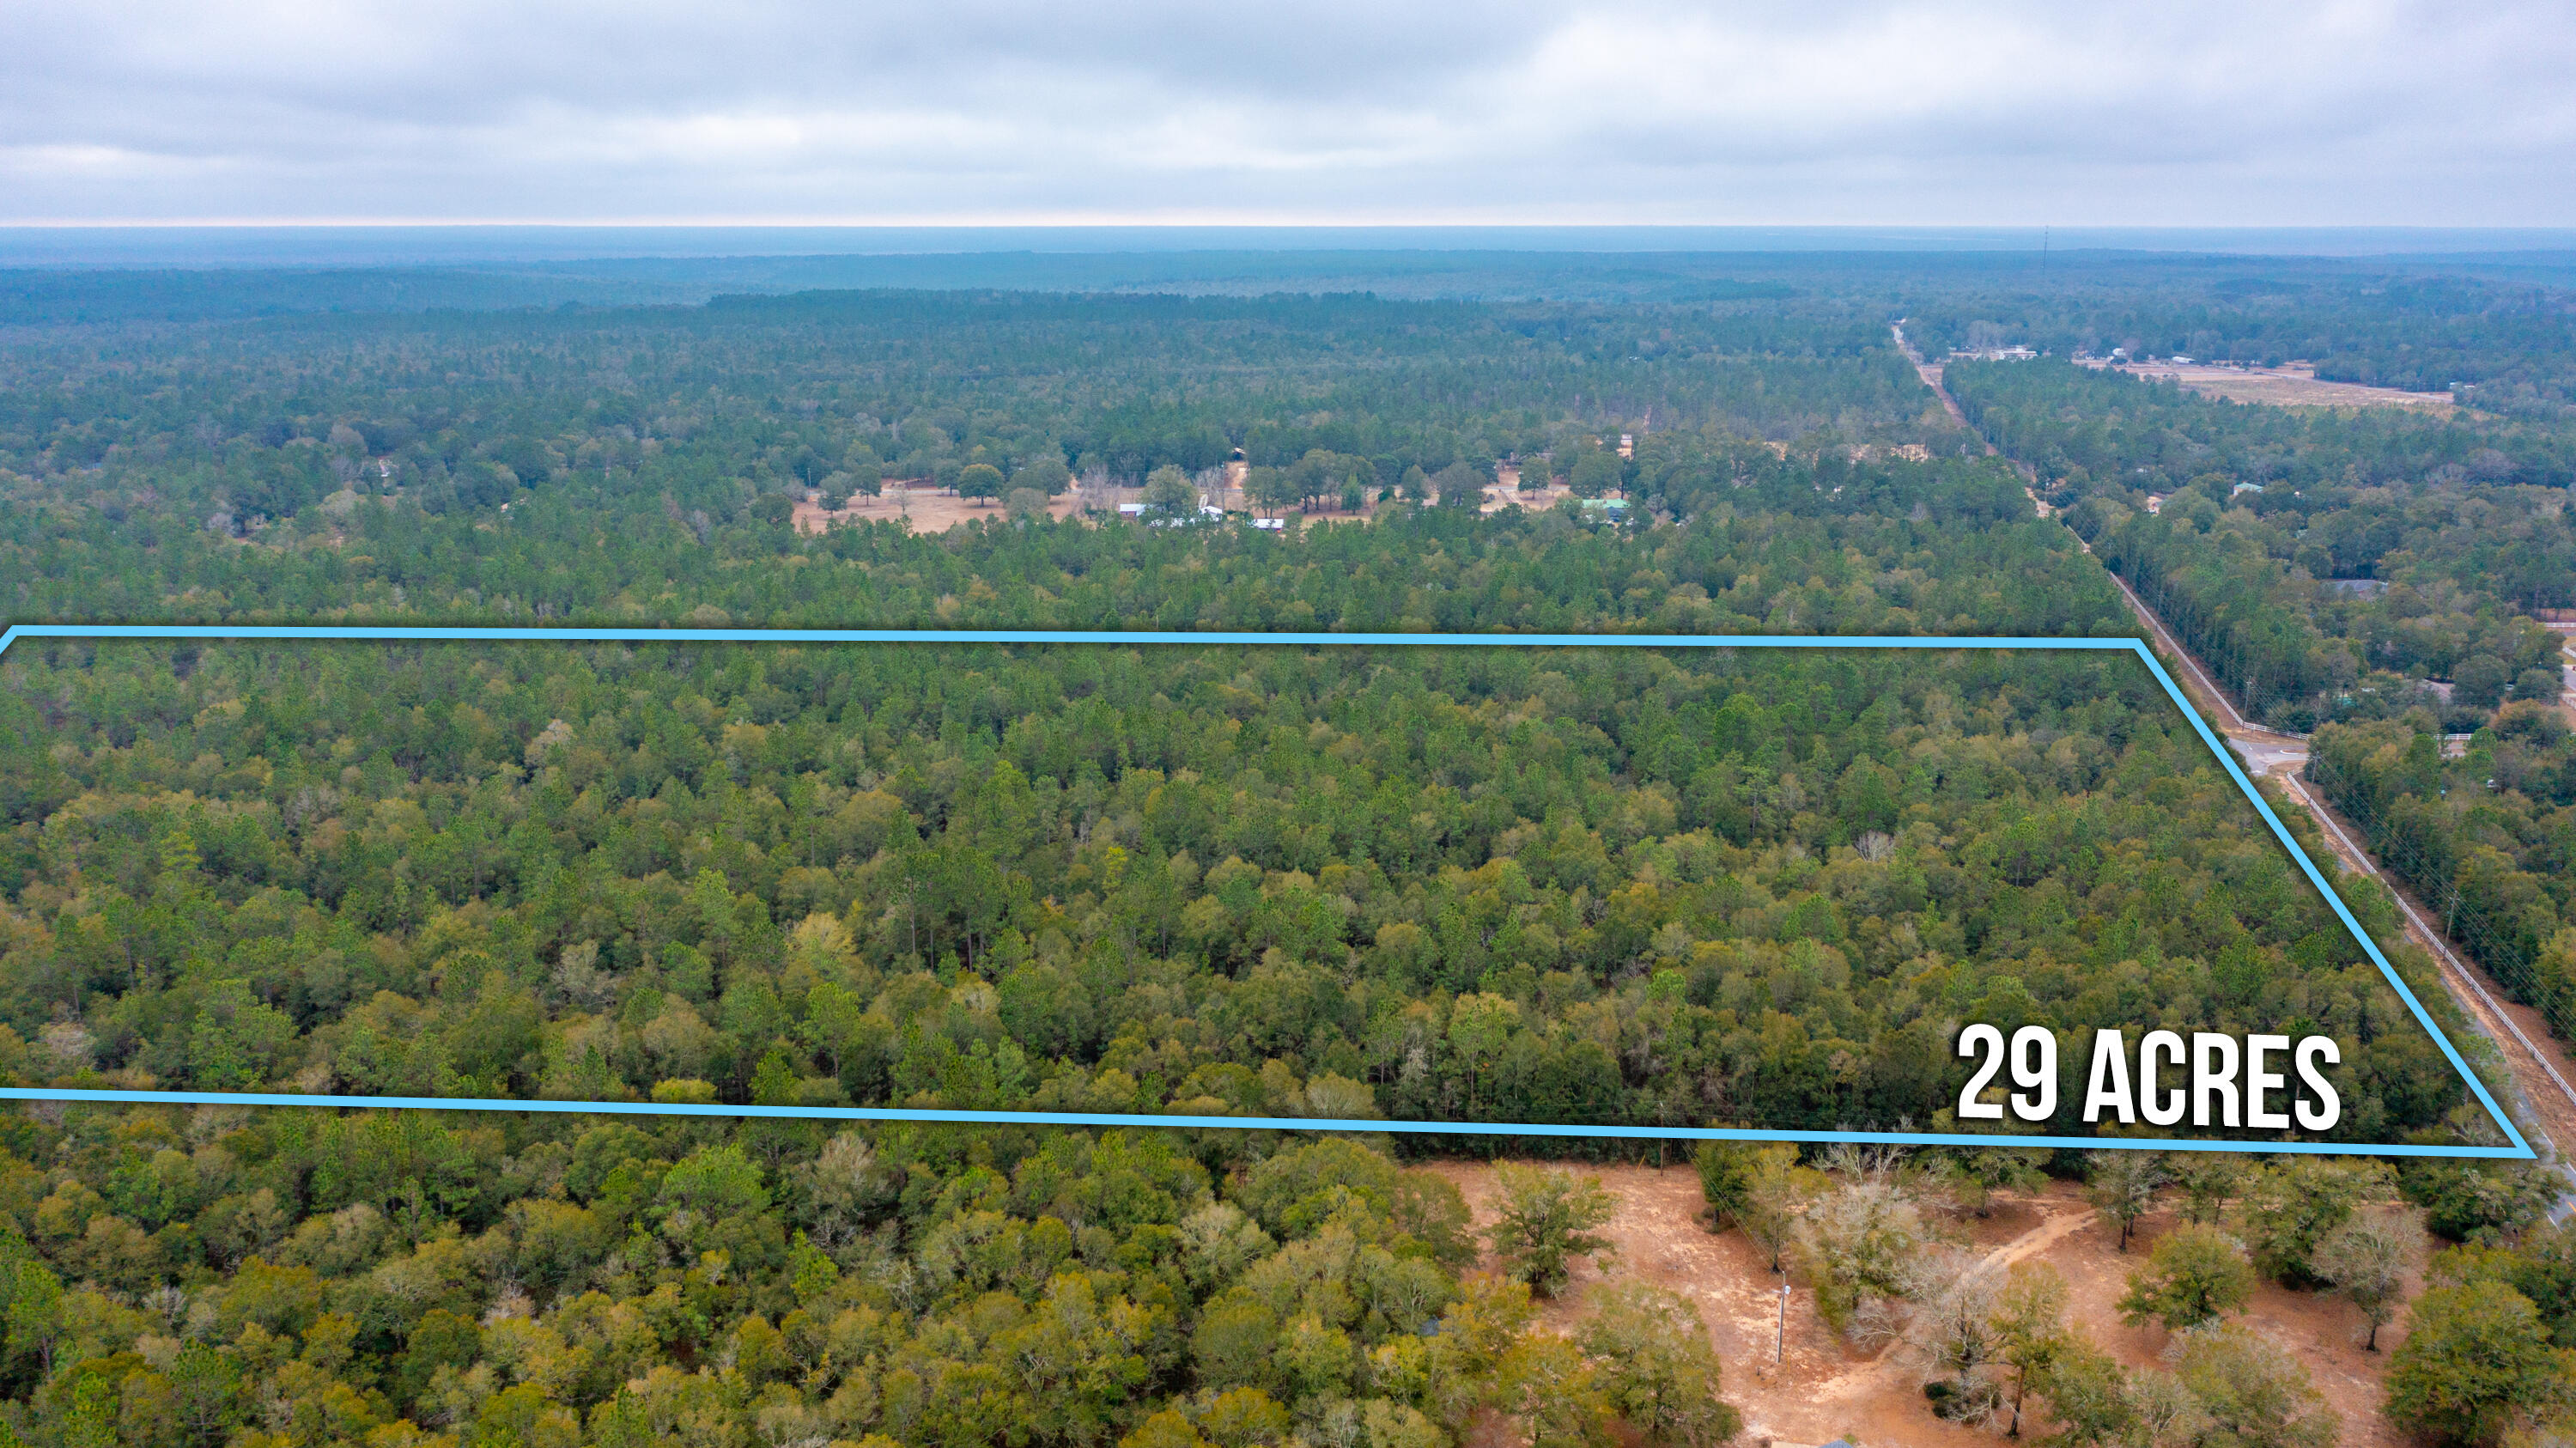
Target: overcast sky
point(2248, 112)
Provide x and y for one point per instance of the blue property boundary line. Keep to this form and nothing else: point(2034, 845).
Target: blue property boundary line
point(2520, 1150)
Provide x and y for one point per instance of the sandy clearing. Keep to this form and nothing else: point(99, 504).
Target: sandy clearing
point(929, 510)
point(1822, 1388)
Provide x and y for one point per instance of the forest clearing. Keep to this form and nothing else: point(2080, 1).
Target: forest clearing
point(1824, 1388)
point(925, 511)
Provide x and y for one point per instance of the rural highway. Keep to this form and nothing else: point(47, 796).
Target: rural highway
point(2540, 1065)
point(1930, 372)
point(2567, 666)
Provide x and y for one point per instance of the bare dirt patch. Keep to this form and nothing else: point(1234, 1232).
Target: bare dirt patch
point(2286, 387)
point(1823, 1388)
point(929, 510)
point(1505, 492)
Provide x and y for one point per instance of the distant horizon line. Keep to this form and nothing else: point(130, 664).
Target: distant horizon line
point(231, 243)
point(2034, 228)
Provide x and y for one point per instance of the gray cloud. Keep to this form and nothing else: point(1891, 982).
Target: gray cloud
point(2172, 112)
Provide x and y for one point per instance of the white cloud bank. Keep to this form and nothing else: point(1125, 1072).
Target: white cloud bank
point(2175, 112)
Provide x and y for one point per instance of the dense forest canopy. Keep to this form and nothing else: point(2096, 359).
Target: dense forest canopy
point(1826, 547)
point(2089, 428)
point(461, 410)
point(2498, 326)
point(2324, 563)
point(2490, 836)
point(1580, 886)
point(2367, 575)
point(1477, 885)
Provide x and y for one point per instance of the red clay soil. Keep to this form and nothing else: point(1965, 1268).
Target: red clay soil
point(1824, 1389)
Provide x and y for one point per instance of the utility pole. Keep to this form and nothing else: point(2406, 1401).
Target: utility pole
point(1780, 1342)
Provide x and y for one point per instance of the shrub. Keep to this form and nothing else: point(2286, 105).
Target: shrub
point(1546, 1221)
point(2475, 1357)
point(2195, 1275)
point(1861, 1246)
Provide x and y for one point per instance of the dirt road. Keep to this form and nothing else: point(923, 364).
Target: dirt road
point(2541, 1067)
point(2206, 696)
point(2265, 750)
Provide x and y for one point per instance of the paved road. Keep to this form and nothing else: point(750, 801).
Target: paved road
point(2263, 749)
point(2540, 1065)
point(2567, 666)
point(1930, 372)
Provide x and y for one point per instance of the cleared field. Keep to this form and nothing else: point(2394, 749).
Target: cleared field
point(929, 510)
point(2286, 387)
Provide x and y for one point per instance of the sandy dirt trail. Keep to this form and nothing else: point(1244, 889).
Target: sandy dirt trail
point(1821, 1388)
point(1895, 1368)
